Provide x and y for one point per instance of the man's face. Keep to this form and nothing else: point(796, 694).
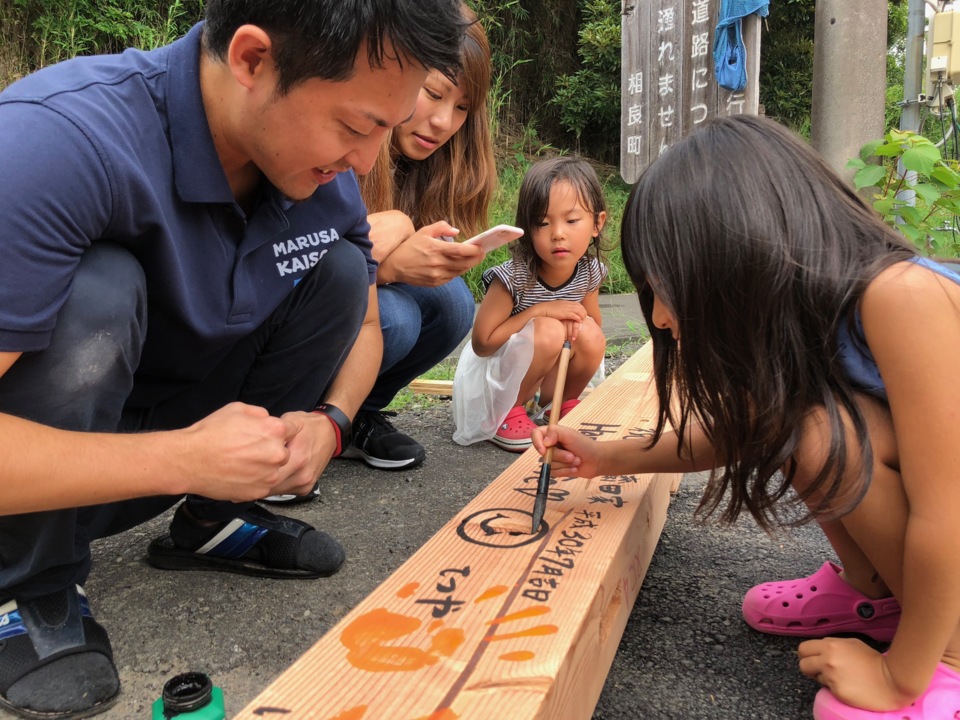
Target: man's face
point(303, 139)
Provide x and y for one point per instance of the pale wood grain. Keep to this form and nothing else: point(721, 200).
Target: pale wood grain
point(522, 627)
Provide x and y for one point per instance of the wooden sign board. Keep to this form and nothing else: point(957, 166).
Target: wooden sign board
point(668, 86)
point(488, 620)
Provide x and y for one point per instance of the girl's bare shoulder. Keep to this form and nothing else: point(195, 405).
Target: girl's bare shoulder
point(909, 287)
point(909, 307)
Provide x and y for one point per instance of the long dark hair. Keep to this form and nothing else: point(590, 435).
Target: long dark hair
point(761, 252)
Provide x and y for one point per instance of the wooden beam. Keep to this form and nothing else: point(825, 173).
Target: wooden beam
point(488, 620)
point(431, 387)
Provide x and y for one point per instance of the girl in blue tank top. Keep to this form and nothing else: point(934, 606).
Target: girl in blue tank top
point(803, 353)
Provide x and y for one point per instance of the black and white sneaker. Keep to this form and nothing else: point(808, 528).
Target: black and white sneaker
point(380, 445)
point(294, 499)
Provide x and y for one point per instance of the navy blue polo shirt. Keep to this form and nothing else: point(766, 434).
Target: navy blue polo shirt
point(117, 147)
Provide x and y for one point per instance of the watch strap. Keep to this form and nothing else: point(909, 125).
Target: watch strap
point(342, 427)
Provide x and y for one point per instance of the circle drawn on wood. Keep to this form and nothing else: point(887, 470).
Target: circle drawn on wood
point(500, 528)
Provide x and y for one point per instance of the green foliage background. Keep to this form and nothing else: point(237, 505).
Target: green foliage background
point(556, 62)
point(556, 70)
point(47, 31)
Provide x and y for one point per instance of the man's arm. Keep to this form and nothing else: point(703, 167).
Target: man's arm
point(7, 359)
point(387, 230)
point(359, 372)
point(236, 453)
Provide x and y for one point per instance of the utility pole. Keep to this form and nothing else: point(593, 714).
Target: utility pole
point(913, 66)
point(912, 87)
point(849, 78)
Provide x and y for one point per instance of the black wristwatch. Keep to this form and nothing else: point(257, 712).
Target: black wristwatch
point(342, 427)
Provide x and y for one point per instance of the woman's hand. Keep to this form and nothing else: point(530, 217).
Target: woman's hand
point(424, 259)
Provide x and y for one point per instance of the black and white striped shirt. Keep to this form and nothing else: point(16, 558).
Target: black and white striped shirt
point(527, 291)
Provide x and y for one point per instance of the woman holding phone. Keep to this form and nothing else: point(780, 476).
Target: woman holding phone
point(433, 181)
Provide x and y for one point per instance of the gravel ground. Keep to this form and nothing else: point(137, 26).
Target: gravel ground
point(685, 654)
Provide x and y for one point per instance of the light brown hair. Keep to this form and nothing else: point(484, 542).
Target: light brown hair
point(457, 181)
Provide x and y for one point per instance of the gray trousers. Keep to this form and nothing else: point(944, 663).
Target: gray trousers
point(83, 379)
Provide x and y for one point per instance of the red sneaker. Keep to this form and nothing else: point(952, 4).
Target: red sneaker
point(514, 432)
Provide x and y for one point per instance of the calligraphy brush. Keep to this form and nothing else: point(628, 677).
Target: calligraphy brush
point(543, 483)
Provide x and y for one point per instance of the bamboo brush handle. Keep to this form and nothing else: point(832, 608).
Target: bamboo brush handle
point(557, 400)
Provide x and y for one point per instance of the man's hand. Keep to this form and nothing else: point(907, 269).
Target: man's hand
point(241, 453)
point(424, 259)
point(237, 453)
point(311, 447)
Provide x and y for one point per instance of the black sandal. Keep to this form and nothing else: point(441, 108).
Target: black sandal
point(256, 543)
point(55, 659)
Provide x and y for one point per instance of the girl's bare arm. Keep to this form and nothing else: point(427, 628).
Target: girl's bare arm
point(494, 324)
point(576, 455)
point(911, 318)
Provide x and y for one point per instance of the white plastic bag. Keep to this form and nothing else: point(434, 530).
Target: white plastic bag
point(485, 389)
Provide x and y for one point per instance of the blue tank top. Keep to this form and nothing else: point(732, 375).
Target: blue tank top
point(857, 360)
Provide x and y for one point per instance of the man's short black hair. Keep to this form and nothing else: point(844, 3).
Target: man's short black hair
point(321, 38)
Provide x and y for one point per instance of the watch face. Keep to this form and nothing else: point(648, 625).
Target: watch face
point(341, 422)
point(338, 416)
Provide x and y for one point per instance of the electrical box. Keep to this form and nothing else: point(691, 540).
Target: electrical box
point(943, 50)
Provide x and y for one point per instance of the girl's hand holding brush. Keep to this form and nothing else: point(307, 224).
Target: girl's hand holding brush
point(574, 454)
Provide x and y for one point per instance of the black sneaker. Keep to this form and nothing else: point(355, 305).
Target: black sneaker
point(290, 499)
point(380, 445)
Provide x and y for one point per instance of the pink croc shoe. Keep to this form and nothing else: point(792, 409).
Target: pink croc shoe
point(941, 701)
point(819, 605)
point(514, 432)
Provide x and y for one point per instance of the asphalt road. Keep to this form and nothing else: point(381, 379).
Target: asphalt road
point(685, 655)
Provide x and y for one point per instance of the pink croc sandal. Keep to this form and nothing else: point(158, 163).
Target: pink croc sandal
point(567, 406)
point(819, 605)
point(940, 701)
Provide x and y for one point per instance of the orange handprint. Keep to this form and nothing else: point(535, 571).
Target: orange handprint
point(366, 640)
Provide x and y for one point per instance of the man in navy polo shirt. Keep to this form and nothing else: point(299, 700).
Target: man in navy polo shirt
point(183, 250)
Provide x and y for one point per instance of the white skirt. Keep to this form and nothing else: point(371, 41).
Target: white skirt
point(485, 388)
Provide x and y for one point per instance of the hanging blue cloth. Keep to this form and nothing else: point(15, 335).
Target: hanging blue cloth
point(729, 52)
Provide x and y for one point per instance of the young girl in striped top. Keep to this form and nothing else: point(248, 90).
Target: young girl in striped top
point(546, 294)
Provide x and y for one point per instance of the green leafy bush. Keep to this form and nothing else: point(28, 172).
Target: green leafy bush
point(914, 189)
point(589, 99)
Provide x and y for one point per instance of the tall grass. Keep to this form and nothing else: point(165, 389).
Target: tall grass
point(48, 31)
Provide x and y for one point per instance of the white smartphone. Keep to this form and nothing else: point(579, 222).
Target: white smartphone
point(495, 237)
